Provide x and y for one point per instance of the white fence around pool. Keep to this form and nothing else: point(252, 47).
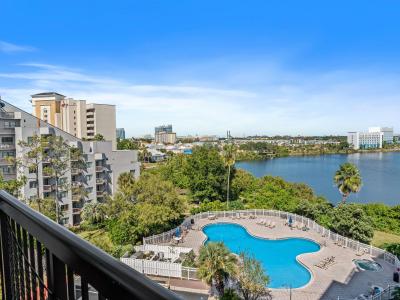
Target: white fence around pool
point(166, 237)
point(160, 268)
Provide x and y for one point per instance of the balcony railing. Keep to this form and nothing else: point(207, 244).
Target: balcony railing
point(100, 181)
point(48, 188)
point(43, 260)
point(7, 146)
point(6, 115)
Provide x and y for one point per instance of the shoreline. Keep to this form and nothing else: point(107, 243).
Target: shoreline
point(318, 154)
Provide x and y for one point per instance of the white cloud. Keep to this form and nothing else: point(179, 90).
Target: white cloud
point(273, 102)
point(12, 48)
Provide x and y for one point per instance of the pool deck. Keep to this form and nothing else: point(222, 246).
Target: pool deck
point(340, 279)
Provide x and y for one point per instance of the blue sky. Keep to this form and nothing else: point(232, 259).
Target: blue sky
point(254, 67)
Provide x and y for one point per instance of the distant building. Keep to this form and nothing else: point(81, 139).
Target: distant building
point(156, 156)
point(373, 139)
point(78, 118)
point(121, 133)
point(165, 138)
point(163, 128)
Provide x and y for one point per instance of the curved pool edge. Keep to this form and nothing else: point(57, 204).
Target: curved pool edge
point(298, 257)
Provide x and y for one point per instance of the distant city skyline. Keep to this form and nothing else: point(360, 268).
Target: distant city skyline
point(269, 68)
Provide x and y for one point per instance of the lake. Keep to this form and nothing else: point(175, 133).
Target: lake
point(380, 174)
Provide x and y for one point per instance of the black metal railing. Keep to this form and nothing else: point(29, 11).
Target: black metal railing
point(40, 259)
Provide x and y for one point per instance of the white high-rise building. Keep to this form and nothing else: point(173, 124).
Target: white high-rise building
point(78, 118)
point(374, 138)
point(96, 176)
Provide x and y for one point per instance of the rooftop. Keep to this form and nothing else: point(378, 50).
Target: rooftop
point(46, 94)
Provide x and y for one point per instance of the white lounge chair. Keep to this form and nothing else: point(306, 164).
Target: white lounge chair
point(272, 225)
point(261, 222)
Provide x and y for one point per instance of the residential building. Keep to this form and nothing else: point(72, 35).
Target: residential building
point(376, 137)
point(156, 156)
point(163, 128)
point(165, 137)
point(387, 133)
point(78, 118)
point(97, 178)
point(121, 133)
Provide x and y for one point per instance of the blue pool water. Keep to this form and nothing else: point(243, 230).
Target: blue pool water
point(278, 257)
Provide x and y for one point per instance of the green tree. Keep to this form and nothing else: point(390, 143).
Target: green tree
point(207, 174)
point(216, 265)
point(58, 158)
point(394, 248)
point(99, 137)
point(94, 213)
point(126, 184)
point(229, 155)
point(175, 170)
point(348, 180)
point(351, 221)
point(30, 159)
point(243, 182)
point(12, 186)
point(48, 208)
point(251, 279)
point(127, 144)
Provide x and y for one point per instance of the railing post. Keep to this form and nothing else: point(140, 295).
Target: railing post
point(5, 259)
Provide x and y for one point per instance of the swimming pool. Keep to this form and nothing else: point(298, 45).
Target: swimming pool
point(278, 257)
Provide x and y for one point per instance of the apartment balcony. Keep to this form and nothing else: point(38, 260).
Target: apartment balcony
point(100, 194)
point(43, 260)
point(45, 145)
point(75, 171)
point(4, 162)
point(77, 198)
point(99, 169)
point(100, 181)
point(76, 210)
point(7, 115)
point(77, 184)
point(7, 146)
point(47, 188)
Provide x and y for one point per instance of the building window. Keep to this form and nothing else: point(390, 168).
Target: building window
point(32, 184)
point(89, 177)
point(7, 139)
point(10, 124)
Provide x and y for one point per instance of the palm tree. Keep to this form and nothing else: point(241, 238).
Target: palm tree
point(216, 265)
point(348, 180)
point(229, 159)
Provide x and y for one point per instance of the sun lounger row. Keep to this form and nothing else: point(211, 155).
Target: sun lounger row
point(326, 262)
point(269, 224)
point(298, 225)
point(239, 216)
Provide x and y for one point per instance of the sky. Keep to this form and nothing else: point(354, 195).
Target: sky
point(251, 67)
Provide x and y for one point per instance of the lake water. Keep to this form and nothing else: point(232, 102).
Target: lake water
point(380, 174)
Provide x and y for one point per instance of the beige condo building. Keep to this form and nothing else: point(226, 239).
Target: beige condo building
point(78, 118)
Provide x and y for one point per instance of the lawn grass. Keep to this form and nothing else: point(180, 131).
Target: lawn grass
point(381, 238)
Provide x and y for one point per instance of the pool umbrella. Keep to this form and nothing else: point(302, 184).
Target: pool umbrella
point(178, 232)
point(290, 220)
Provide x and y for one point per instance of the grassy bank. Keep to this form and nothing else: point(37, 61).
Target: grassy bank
point(383, 238)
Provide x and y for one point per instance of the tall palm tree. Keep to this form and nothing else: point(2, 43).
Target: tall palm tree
point(216, 265)
point(229, 159)
point(348, 180)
